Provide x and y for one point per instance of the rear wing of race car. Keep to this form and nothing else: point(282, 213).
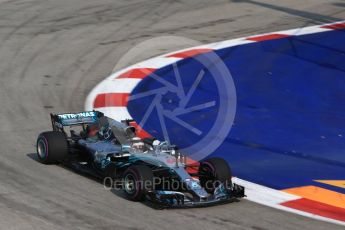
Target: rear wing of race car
point(70, 119)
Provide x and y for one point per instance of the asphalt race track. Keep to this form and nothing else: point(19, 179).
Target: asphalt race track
point(51, 55)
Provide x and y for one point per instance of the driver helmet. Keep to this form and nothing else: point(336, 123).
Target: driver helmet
point(138, 145)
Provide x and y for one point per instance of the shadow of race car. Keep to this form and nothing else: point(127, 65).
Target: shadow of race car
point(142, 168)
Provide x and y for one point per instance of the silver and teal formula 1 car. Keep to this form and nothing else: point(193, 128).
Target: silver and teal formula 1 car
point(142, 168)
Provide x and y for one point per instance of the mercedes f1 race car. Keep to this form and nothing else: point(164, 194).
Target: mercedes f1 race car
point(142, 168)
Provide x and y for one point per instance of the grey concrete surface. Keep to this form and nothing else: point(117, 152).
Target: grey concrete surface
point(52, 52)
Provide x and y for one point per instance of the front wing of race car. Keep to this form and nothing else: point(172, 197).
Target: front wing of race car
point(175, 199)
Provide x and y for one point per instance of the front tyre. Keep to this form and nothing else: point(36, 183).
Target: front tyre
point(52, 147)
point(137, 181)
point(213, 172)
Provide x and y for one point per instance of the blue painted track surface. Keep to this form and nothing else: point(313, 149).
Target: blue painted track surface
point(289, 127)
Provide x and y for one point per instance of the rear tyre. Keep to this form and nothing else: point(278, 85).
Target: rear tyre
point(52, 147)
point(137, 181)
point(213, 172)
